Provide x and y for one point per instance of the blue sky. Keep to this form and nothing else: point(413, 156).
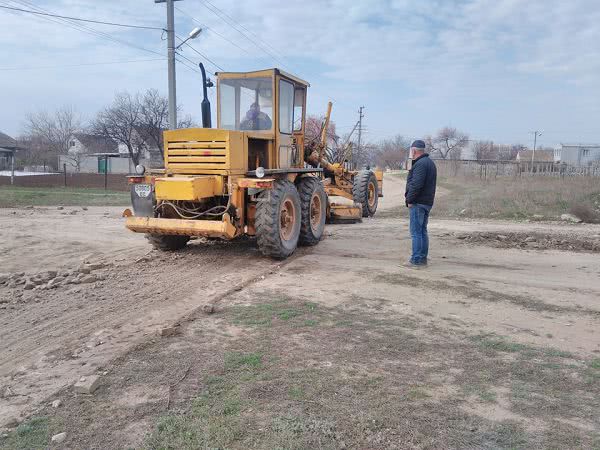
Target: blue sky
point(496, 69)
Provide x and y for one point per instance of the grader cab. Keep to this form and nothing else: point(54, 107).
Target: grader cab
point(252, 175)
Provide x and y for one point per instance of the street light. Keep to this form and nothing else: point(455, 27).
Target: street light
point(536, 134)
point(193, 35)
point(172, 49)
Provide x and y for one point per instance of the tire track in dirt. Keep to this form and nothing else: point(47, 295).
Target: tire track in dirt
point(49, 344)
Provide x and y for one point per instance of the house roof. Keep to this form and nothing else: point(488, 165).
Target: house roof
point(540, 155)
point(96, 144)
point(7, 142)
point(578, 146)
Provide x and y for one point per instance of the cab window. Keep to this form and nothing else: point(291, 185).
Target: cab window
point(246, 104)
point(299, 108)
point(286, 107)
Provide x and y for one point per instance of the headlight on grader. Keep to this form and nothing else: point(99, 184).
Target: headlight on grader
point(140, 169)
point(260, 172)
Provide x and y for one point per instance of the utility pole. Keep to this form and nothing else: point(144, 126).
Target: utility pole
point(360, 118)
point(536, 133)
point(171, 62)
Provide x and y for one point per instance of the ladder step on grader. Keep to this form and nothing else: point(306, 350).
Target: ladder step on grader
point(253, 175)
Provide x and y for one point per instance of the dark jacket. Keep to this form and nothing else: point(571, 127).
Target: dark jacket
point(420, 184)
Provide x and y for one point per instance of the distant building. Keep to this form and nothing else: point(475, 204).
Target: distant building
point(8, 147)
point(89, 153)
point(91, 143)
point(578, 154)
point(538, 156)
point(151, 152)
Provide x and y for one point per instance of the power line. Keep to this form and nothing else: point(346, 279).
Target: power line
point(80, 65)
point(212, 30)
point(206, 57)
point(186, 65)
point(80, 19)
point(189, 61)
point(234, 24)
point(201, 54)
point(84, 28)
point(244, 27)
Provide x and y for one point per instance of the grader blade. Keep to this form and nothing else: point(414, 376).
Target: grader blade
point(180, 227)
point(339, 213)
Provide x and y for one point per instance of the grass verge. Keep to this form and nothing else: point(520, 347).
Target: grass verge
point(18, 197)
point(518, 198)
point(30, 435)
point(534, 198)
point(372, 380)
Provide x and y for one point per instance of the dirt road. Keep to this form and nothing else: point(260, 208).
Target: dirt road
point(124, 294)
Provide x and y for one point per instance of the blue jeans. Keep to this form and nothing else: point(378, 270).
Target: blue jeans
point(419, 215)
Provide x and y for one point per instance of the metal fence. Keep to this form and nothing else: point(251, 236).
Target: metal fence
point(493, 169)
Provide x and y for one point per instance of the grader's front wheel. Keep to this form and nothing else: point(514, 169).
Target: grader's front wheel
point(167, 242)
point(313, 202)
point(278, 217)
point(366, 192)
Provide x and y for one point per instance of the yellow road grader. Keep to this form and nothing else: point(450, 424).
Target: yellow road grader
point(252, 175)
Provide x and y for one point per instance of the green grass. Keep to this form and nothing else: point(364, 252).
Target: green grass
point(18, 197)
point(501, 345)
point(235, 361)
point(215, 419)
point(417, 393)
point(373, 384)
point(30, 435)
point(296, 392)
point(263, 315)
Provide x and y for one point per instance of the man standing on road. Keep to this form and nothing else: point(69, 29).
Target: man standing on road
point(420, 193)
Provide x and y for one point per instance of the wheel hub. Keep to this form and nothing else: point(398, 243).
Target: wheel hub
point(315, 212)
point(372, 195)
point(287, 219)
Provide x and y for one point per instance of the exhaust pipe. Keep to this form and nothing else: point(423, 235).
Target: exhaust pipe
point(206, 116)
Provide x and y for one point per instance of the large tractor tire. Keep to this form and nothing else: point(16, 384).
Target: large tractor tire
point(313, 202)
point(366, 192)
point(278, 217)
point(167, 243)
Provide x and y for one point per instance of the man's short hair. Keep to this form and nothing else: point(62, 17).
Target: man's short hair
point(418, 144)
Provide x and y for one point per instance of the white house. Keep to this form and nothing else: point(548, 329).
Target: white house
point(89, 153)
point(150, 153)
point(578, 154)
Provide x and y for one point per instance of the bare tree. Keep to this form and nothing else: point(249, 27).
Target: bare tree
point(314, 126)
point(448, 143)
point(154, 117)
point(392, 153)
point(187, 122)
point(121, 121)
point(510, 152)
point(486, 151)
point(366, 157)
point(49, 134)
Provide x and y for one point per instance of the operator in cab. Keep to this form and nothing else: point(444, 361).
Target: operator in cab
point(256, 119)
